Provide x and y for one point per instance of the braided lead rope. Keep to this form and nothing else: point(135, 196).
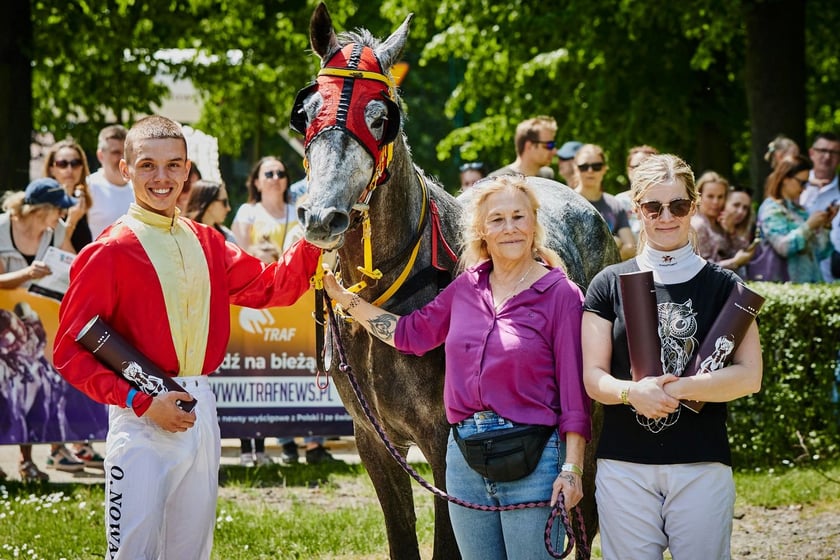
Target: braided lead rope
point(558, 509)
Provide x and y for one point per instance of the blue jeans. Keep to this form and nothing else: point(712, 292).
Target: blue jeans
point(505, 535)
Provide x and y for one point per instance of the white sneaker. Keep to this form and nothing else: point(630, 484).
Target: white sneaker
point(262, 459)
point(246, 460)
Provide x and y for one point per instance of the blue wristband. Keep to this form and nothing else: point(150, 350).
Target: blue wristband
point(129, 400)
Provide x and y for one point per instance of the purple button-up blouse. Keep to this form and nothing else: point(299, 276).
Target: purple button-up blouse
point(522, 362)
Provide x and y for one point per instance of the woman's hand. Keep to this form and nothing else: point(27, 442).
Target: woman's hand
point(571, 485)
point(744, 256)
point(36, 270)
point(726, 220)
point(77, 211)
point(336, 292)
point(819, 219)
point(649, 398)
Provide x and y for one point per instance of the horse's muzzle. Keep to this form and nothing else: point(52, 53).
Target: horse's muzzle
point(325, 227)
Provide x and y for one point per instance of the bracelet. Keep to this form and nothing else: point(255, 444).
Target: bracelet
point(623, 396)
point(572, 468)
point(129, 400)
point(354, 301)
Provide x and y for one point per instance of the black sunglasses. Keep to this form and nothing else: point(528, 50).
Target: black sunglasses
point(592, 166)
point(63, 163)
point(280, 174)
point(679, 207)
point(549, 145)
point(225, 202)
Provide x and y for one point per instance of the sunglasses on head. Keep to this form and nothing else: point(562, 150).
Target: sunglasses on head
point(593, 166)
point(679, 207)
point(280, 174)
point(477, 165)
point(63, 163)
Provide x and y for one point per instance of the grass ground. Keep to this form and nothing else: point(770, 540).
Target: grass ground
point(308, 511)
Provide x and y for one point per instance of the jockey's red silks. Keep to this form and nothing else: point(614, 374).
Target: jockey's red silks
point(340, 92)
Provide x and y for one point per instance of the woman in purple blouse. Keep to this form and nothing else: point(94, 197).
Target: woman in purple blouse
point(511, 325)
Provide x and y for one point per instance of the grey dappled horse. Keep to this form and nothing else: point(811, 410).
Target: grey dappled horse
point(360, 167)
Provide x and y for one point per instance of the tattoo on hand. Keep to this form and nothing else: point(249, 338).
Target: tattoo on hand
point(383, 326)
point(570, 478)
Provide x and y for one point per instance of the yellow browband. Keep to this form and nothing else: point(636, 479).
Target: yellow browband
point(363, 74)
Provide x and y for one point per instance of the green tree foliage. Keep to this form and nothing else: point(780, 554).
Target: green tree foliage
point(614, 72)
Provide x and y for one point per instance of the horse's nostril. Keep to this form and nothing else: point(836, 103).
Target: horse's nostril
point(339, 221)
point(326, 223)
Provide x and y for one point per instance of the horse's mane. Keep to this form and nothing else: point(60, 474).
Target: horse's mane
point(358, 35)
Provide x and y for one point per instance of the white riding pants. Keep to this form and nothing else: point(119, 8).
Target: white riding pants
point(161, 487)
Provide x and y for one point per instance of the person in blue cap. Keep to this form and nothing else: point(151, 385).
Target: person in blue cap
point(29, 224)
point(566, 162)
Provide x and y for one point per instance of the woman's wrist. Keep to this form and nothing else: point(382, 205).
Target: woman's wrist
point(351, 302)
point(624, 395)
point(572, 468)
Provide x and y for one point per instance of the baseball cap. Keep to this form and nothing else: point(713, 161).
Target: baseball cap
point(569, 149)
point(48, 191)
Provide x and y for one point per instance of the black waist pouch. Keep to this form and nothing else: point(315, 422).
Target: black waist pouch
point(506, 454)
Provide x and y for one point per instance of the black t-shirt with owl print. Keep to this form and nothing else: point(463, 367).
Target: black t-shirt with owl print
point(686, 312)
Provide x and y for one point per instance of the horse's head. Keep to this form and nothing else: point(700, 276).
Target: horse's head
point(350, 117)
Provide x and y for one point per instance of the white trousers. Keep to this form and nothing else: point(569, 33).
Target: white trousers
point(644, 509)
point(161, 487)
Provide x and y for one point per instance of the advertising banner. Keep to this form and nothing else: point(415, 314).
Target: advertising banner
point(266, 384)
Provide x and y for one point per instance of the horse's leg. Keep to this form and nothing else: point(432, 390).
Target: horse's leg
point(588, 505)
point(433, 447)
point(393, 488)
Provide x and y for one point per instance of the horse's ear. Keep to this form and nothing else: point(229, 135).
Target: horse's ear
point(321, 33)
point(390, 50)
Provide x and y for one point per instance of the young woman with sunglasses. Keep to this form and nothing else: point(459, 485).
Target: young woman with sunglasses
point(66, 163)
point(209, 204)
point(664, 477)
point(716, 240)
point(268, 213)
point(590, 168)
point(801, 239)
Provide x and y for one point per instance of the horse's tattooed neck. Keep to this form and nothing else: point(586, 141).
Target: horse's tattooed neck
point(383, 326)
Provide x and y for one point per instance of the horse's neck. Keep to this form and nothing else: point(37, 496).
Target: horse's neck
point(395, 213)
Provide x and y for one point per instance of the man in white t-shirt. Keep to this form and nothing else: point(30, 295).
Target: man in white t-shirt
point(823, 190)
point(111, 194)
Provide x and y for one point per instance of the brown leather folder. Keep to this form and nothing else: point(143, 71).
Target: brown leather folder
point(641, 318)
point(725, 334)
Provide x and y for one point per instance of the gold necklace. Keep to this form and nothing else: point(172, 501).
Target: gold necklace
point(512, 292)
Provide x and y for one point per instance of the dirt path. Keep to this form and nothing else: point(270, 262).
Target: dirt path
point(791, 533)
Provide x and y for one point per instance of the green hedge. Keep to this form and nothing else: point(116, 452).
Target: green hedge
point(794, 418)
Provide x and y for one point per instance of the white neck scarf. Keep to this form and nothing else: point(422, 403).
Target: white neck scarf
point(671, 267)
